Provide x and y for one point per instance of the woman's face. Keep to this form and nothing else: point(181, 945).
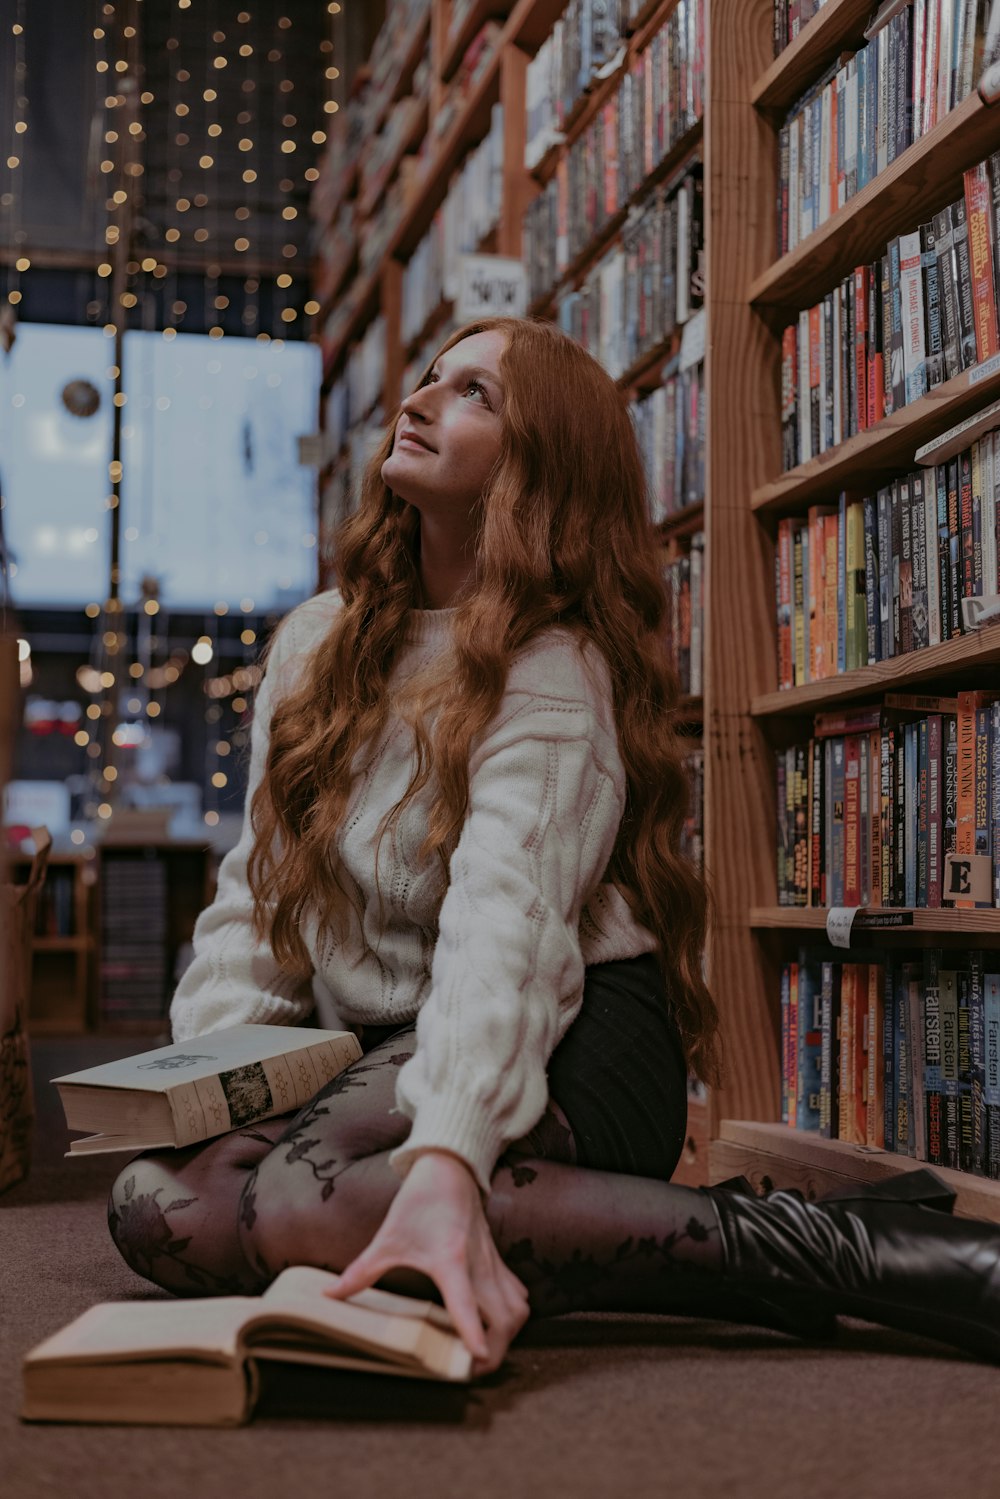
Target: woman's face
point(448, 432)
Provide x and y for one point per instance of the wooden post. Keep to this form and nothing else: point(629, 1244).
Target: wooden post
point(743, 430)
point(516, 184)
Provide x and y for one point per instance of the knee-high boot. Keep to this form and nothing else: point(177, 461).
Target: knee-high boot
point(886, 1253)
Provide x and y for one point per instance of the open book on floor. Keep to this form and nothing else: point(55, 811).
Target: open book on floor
point(192, 1090)
point(194, 1363)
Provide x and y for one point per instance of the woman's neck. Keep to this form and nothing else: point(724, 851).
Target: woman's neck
point(446, 563)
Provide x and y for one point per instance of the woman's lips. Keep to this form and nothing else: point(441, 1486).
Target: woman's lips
point(413, 442)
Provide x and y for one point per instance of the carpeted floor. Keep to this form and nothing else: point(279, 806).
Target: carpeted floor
point(586, 1406)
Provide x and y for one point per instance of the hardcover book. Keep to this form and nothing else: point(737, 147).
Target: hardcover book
point(197, 1363)
point(192, 1090)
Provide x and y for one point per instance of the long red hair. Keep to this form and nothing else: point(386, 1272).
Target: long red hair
point(564, 539)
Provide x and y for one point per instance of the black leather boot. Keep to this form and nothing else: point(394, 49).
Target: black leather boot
point(885, 1253)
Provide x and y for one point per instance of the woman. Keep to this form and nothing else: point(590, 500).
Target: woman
point(464, 811)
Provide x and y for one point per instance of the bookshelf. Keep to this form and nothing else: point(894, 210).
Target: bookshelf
point(63, 949)
point(754, 293)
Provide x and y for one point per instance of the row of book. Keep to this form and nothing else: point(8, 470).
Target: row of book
point(670, 426)
point(876, 806)
point(358, 390)
point(789, 18)
point(899, 1053)
point(134, 962)
point(470, 210)
point(593, 181)
point(693, 830)
point(54, 913)
point(922, 313)
point(684, 576)
point(868, 579)
point(659, 98)
point(644, 287)
point(866, 109)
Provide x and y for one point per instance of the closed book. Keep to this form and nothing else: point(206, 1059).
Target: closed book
point(852, 821)
point(951, 338)
point(902, 1126)
point(933, 1085)
point(935, 809)
point(912, 314)
point(847, 1095)
point(920, 631)
point(873, 642)
point(934, 350)
point(203, 1362)
point(809, 1057)
point(964, 1074)
point(977, 1061)
point(979, 219)
point(920, 896)
point(897, 367)
point(991, 991)
point(984, 778)
point(191, 1090)
point(966, 306)
point(948, 1005)
point(875, 1084)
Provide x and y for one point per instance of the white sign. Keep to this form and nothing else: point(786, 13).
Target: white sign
point(491, 286)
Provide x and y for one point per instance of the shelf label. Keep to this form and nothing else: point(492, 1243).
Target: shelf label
point(843, 921)
point(981, 372)
point(490, 286)
point(839, 921)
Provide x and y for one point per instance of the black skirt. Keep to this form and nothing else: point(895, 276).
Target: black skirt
point(619, 1074)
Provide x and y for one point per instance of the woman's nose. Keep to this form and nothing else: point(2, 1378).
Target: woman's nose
point(414, 405)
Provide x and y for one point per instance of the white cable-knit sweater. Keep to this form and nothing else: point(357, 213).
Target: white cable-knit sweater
point(490, 963)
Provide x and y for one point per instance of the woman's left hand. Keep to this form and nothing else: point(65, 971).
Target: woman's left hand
point(436, 1225)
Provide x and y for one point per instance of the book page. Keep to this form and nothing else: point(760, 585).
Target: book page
point(115, 1331)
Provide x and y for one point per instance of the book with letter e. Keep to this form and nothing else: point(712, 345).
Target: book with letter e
point(192, 1090)
point(195, 1363)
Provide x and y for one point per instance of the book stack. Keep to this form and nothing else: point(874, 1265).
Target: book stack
point(789, 18)
point(870, 105)
point(670, 425)
point(469, 212)
point(895, 329)
point(134, 964)
point(54, 916)
point(683, 576)
point(659, 99)
point(870, 808)
point(898, 1052)
point(884, 575)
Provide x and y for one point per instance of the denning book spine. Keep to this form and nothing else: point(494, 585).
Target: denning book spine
point(991, 1096)
point(948, 1004)
point(918, 548)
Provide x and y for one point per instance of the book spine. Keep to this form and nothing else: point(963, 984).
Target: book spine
point(918, 550)
point(932, 306)
point(934, 810)
point(871, 575)
point(896, 346)
point(984, 820)
point(933, 1087)
point(912, 314)
point(980, 231)
point(948, 1004)
point(920, 895)
point(991, 1095)
point(944, 239)
point(966, 307)
point(874, 1092)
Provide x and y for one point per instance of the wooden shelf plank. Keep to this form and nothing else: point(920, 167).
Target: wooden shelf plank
point(61, 944)
point(889, 445)
point(774, 1155)
point(921, 181)
point(965, 653)
point(838, 23)
point(683, 522)
point(408, 141)
point(407, 68)
point(983, 923)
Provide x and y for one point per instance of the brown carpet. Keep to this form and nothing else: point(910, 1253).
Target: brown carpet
point(586, 1406)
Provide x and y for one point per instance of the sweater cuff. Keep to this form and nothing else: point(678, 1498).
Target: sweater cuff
point(457, 1125)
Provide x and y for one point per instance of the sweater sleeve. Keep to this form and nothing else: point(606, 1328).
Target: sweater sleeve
point(234, 978)
point(546, 796)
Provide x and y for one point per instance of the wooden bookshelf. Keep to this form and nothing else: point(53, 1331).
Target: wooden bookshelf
point(772, 1155)
point(887, 447)
point(753, 295)
point(62, 970)
point(460, 37)
point(971, 653)
point(923, 179)
point(839, 24)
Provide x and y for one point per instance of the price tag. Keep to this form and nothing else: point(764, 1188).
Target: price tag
point(839, 921)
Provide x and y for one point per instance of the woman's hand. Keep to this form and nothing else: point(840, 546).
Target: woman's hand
point(436, 1225)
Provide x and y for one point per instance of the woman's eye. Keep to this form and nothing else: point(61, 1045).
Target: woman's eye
point(479, 389)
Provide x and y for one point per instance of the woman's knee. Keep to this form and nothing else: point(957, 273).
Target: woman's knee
point(320, 1211)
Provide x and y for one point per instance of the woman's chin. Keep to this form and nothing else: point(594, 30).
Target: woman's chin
point(396, 473)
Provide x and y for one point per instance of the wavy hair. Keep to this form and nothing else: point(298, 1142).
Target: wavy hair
point(563, 539)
